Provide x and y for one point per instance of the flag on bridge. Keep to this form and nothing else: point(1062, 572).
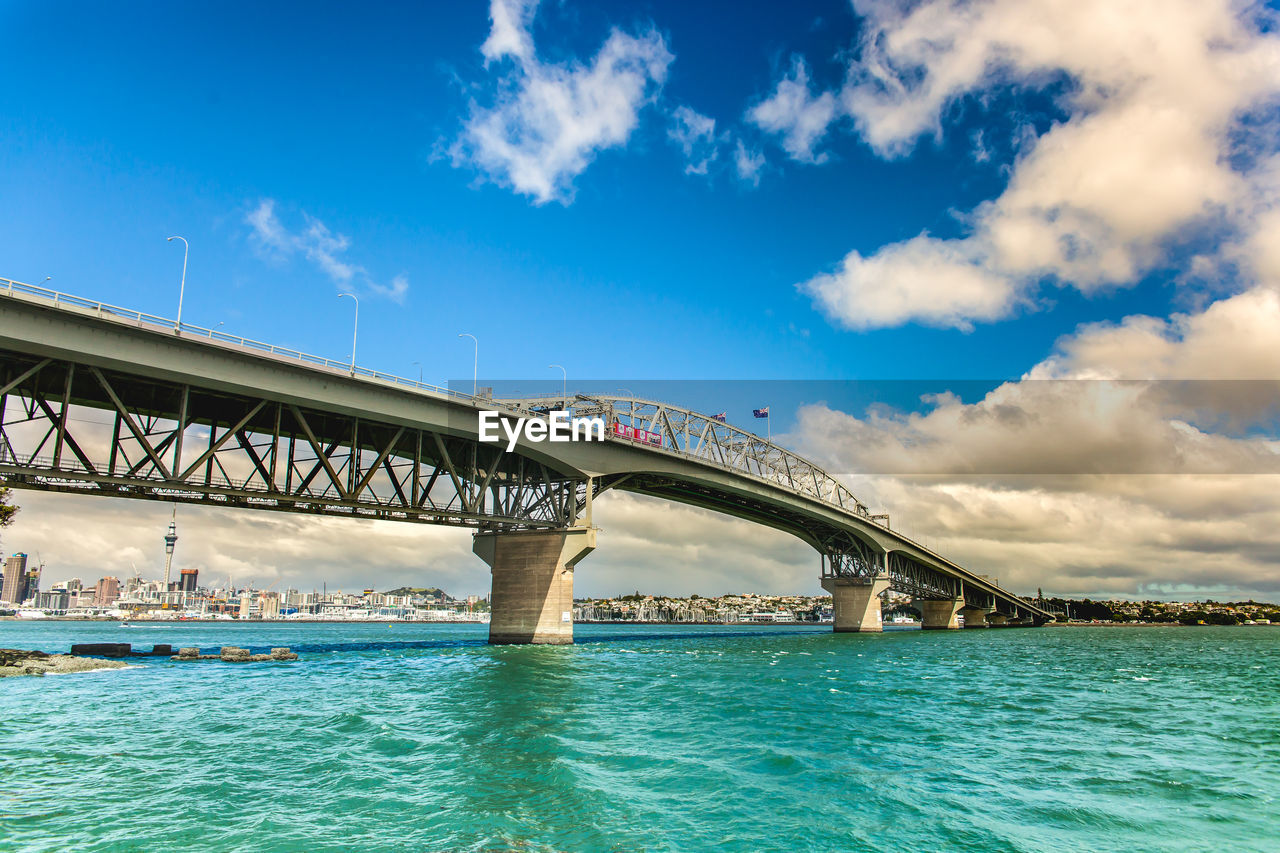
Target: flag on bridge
point(761, 413)
point(723, 417)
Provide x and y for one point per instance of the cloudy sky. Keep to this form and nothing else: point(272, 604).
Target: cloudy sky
point(1046, 233)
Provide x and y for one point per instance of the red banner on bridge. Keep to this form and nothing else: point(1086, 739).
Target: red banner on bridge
point(636, 434)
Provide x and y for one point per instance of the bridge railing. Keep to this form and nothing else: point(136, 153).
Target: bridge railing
point(103, 310)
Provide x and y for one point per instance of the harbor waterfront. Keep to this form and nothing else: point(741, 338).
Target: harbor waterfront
point(643, 737)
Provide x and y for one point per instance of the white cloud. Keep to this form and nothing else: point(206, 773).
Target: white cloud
point(1046, 428)
point(748, 163)
point(1102, 471)
point(1259, 251)
point(1156, 94)
point(795, 114)
point(113, 535)
point(548, 121)
point(1233, 338)
point(937, 282)
point(1161, 537)
point(318, 244)
point(696, 136)
point(322, 247)
point(509, 34)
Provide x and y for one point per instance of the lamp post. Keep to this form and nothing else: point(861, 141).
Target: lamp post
point(355, 330)
point(564, 387)
point(475, 368)
point(182, 288)
point(419, 370)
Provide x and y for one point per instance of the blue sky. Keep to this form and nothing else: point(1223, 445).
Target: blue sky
point(651, 192)
point(123, 127)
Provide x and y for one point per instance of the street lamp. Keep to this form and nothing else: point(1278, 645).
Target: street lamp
point(419, 371)
point(355, 330)
point(475, 368)
point(564, 387)
point(182, 288)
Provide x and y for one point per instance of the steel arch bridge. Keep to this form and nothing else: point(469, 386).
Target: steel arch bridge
point(96, 399)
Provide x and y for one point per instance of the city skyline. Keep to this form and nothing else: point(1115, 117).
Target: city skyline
point(750, 196)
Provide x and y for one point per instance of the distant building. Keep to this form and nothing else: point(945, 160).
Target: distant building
point(188, 582)
point(106, 592)
point(33, 584)
point(54, 599)
point(14, 590)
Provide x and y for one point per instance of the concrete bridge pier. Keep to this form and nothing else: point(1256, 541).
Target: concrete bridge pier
point(975, 617)
point(856, 602)
point(940, 615)
point(532, 587)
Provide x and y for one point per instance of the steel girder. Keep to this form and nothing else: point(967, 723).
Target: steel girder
point(76, 428)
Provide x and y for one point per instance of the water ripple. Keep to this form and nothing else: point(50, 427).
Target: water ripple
point(419, 738)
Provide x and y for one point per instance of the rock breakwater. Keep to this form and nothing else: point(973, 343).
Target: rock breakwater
point(15, 662)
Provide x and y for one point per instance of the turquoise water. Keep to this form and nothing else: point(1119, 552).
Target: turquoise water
point(421, 738)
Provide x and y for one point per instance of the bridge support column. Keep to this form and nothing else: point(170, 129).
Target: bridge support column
point(975, 617)
point(939, 615)
point(856, 602)
point(532, 587)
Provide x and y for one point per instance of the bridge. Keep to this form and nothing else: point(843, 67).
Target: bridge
point(199, 416)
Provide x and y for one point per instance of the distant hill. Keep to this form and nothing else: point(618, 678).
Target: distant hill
point(415, 590)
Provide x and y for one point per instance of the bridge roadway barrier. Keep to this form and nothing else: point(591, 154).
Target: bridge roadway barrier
point(531, 597)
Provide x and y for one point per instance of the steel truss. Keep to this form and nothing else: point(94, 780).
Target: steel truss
point(846, 556)
point(75, 428)
point(705, 439)
point(916, 579)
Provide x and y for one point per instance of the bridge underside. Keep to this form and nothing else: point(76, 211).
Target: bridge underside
point(77, 428)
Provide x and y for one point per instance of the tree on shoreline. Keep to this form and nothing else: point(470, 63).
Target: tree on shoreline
point(8, 509)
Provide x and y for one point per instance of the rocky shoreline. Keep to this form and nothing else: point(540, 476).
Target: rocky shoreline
point(14, 662)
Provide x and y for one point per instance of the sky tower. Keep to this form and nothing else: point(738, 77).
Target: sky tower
point(170, 539)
